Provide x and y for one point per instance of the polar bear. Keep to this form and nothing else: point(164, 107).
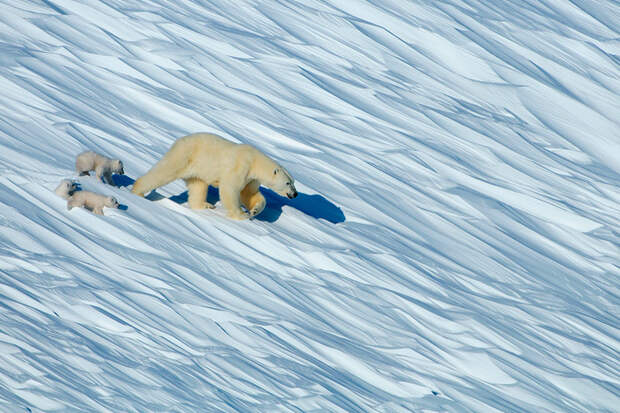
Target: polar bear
point(102, 165)
point(92, 201)
point(66, 188)
point(204, 159)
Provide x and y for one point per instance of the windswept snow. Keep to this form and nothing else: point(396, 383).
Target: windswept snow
point(455, 246)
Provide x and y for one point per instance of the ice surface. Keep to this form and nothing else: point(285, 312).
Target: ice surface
point(454, 247)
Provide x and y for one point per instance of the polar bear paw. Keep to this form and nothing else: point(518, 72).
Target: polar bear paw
point(258, 207)
point(202, 205)
point(238, 215)
point(256, 210)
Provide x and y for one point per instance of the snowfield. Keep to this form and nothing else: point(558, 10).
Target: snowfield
point(455, 246)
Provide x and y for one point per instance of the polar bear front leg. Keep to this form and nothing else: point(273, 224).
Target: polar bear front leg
point(253, 200)
point(230, 193)
point(197, 193)
point(99, 172)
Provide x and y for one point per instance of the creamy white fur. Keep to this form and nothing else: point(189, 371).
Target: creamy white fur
point(102, 165)
point(66, 188)
point(204, 159)
point(92, 201)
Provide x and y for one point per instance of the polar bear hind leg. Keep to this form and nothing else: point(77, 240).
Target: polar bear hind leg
point(252, 199)
point(168, 169)
point(197, 193)
point(73, 203)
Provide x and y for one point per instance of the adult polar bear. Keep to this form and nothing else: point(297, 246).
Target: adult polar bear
point(204, 159)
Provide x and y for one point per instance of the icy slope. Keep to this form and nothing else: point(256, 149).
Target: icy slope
point(455, 246)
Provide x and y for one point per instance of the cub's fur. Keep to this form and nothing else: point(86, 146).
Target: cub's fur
point(92, 201)
point(66, 188)
point(102, 165)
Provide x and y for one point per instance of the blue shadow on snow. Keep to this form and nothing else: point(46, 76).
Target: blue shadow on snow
point(315, 205)
point(122, 180)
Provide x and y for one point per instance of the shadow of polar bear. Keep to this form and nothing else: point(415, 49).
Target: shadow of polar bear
point(314, 205)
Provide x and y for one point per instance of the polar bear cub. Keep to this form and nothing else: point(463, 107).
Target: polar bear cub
point(66, 188)
point(102, 165)
point(204, 159)
point(92, 201)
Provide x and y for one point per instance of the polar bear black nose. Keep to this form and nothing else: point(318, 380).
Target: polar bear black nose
point(291, 196)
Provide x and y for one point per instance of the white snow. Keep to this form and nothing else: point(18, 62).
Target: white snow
point(455, 246)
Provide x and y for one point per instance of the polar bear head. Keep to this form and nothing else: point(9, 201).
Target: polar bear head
point(283, 183)
point(117, 167)
point(111, 202)
point(66, 188)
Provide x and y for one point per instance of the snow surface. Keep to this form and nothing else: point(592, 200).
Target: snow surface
point(455, 246)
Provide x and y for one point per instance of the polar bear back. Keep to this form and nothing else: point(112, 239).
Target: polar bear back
point(89, 199)
point(211, 157)
point(88, 161)
point(102, 165)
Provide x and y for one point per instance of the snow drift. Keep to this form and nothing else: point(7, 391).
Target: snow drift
point(454, 246)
